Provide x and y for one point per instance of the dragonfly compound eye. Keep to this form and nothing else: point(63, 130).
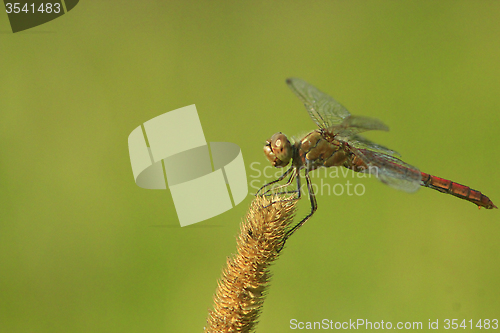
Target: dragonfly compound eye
point(281, 149)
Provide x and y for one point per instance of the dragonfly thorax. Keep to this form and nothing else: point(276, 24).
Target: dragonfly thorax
point(278, 150)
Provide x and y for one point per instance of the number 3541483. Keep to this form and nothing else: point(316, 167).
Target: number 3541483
point(481, 324)
point(19, 8)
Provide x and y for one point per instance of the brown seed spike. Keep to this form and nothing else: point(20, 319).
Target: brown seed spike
point(242, 289)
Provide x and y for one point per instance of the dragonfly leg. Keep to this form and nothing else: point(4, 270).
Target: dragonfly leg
point(292, 177)
point(314, 206)
point(298, 190)
point(274, 181)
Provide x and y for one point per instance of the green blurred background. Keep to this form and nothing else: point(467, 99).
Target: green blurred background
point(83, 249)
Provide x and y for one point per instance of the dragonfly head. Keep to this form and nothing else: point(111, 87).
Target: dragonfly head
point(278, 150)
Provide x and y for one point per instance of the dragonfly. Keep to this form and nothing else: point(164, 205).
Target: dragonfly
point(338, 143)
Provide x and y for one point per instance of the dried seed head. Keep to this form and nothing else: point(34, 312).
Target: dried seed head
point(241, 291)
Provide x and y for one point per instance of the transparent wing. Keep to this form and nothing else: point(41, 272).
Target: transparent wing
point(323, 109)
point(355, 124)
point(361, 142)
point(391, 170)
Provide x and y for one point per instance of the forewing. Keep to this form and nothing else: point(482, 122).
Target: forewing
point(361, 142)
point(323, 109)
point(391, 170)
point(355, 124)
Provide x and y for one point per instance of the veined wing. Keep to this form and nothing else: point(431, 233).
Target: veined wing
point(323, 109)
point(354, 124)
point(391, 170)
point(361, 142)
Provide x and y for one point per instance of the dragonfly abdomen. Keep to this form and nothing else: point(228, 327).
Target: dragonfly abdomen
point(458, 190)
